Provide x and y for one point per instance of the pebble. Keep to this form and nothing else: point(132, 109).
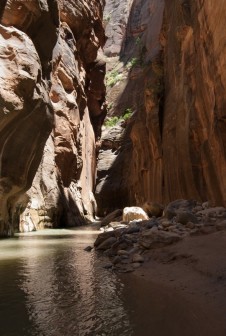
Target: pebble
point(221, 226)
point(122, 253)
point(136, 265)
point(190, 225)
point(133, 229)
point(166, 224)
point(116, 260)
point(107, 266)
point(137, 258)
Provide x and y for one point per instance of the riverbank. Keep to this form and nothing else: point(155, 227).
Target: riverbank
point(175, 268)
point(182, 287)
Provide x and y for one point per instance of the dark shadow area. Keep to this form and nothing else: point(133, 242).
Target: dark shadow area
point(2, 8)
point(69, 213)
point(114, 193)
point(43, 33)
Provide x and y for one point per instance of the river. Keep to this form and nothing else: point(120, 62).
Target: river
point(50, 286)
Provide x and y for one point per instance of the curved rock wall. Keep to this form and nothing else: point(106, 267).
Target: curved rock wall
point(49, 65)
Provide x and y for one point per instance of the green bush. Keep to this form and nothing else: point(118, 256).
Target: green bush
point(113, 77)
point(127, 114)
point(133, 62)
point(107, 18)
point(110, 122)
point(138, 41)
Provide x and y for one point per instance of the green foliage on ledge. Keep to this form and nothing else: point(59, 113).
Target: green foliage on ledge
point(113, 77)
point(110, 122)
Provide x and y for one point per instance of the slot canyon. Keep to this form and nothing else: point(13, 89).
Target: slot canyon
point(112, 167)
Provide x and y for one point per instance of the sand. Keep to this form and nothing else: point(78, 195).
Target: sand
point(181, 289)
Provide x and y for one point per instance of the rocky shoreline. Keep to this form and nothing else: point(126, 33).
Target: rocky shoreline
point(127, 243)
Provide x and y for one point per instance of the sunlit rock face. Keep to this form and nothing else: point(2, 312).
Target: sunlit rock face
point(194, 128)
point(52, 105)
point(25, 121)
point(171, 62)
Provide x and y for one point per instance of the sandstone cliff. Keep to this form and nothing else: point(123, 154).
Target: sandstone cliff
point(134, 68)
point(168, 69)
point(52, 105)
point(165, 80)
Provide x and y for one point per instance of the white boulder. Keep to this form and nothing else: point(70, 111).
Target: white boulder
point(134, 213)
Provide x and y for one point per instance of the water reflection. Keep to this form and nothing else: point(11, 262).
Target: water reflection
point(50, 286)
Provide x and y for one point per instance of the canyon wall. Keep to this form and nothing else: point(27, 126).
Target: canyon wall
point(164, 136)
point(171, 75)
point(134, 86)
point(194, 125)
point(52, 106)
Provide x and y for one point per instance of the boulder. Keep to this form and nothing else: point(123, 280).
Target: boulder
point(111, 217)
point(153, 209)
point(185, 217)
point(102, 237)
point(154, 239)
point(106, 244)
point(134, 213)
point(180, 205)
point(212, 212)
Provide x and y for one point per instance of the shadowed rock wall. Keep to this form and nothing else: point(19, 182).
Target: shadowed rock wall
point(171, 65)
point(137, 169)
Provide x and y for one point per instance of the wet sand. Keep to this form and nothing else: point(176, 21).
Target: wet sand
point(181, 289)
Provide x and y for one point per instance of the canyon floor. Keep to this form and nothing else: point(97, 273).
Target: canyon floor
point(182, 287)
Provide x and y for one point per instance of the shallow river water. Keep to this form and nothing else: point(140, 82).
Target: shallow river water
point(50, 286)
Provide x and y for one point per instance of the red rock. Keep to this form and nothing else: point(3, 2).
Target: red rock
point(51, 63)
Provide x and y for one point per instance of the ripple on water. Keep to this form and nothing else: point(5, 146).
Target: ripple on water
point(49, 286)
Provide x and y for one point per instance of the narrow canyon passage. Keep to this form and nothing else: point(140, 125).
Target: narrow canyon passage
point(117, 108)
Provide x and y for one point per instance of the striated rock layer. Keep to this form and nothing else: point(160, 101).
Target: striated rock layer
point(194, 114)
point(173, 78)
point(51, 105)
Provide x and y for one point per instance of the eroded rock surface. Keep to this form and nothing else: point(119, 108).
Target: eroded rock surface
point(26, 118)
point(50, 66)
